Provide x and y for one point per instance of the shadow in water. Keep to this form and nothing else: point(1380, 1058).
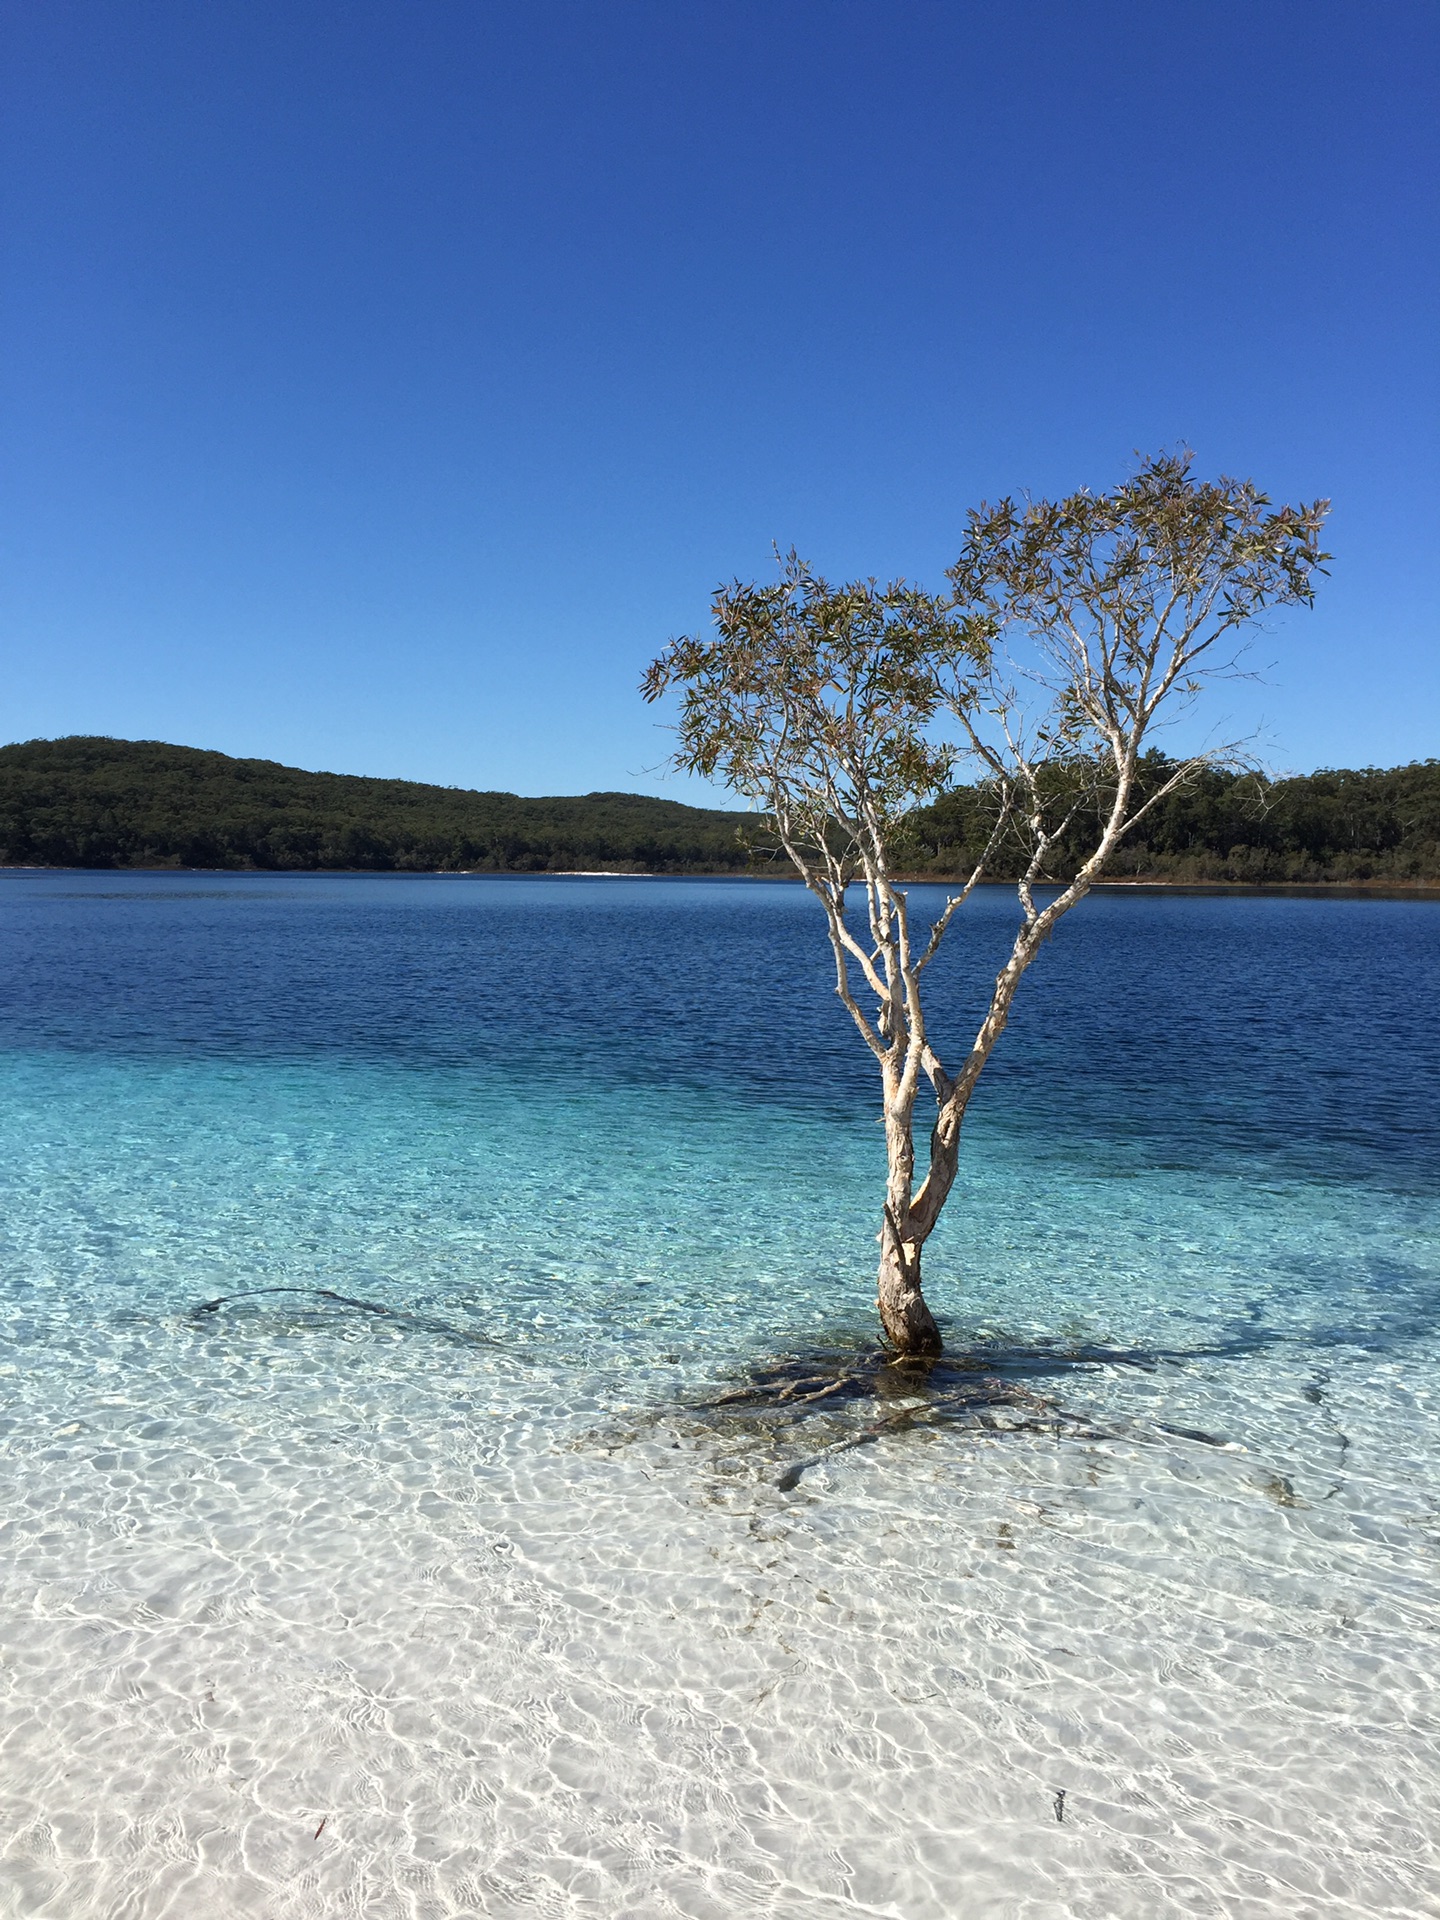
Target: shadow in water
point(319, 1312)
point(838, 1396)
point(981, 1372)
point(853, 1398)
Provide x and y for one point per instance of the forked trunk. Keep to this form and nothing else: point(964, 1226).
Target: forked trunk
point(904, 1315)
point(908, 1322)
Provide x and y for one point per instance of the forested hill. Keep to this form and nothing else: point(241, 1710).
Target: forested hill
point(85, 802)
point(1381, 825)
point(138, 803)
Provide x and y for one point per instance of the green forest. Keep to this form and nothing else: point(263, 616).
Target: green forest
point(85, 802)
point(89, 802)
point(1372, 826)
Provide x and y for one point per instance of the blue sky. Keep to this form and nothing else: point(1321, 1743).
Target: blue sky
point(383, 384)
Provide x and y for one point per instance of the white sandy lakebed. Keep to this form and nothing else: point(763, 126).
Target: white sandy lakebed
point(295, 1631)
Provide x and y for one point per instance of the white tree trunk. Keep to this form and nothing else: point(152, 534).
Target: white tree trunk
point(907, 1320)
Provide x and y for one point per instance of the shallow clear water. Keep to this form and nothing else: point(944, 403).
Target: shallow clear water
point(472, 1583)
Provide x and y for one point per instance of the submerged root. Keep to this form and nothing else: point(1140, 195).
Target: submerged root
point(317, 1293)
point(890, 1394)
point(320, 1315)
point(986, 1374)
point(854, 1400)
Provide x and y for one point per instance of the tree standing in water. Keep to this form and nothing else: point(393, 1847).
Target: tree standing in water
point(1072, 630)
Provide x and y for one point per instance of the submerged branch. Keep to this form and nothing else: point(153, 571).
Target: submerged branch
point(399, 1317)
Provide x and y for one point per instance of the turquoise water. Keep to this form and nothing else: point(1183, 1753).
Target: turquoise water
point(471, 1582)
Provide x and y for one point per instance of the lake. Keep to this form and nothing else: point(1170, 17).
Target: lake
point(373, 1247)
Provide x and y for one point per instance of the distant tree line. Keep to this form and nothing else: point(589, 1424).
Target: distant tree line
point(1373, 825)
point(90, 802)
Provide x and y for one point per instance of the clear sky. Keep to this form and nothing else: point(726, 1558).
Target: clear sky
point(384, 383)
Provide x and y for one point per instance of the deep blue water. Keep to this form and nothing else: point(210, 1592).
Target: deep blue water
point(1213, 1106)
point(1207, 1028)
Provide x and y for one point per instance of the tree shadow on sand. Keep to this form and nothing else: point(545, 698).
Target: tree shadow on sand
point(837, 1401)
point(799, 1409)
